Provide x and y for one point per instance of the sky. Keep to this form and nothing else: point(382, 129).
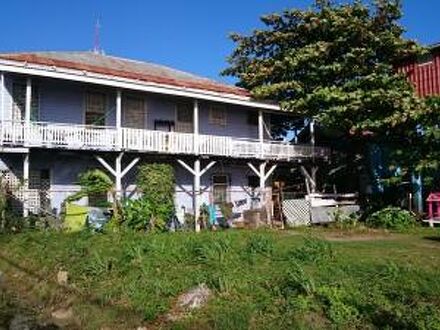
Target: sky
point(191, 35)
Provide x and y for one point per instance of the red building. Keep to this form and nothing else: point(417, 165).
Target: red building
point(424, 73)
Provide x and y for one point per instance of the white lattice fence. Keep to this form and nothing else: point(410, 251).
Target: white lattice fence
point(296, 212)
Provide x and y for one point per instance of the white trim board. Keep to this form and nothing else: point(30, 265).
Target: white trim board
point(124, 83)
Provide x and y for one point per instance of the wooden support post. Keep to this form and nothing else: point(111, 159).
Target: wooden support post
point(310, 179)
point(196, 199)
point(26, 185)
point(118, 175)
point(118, 172)
point(119, 117)
point(263, 176)
point(312, 132)
point(197, 172)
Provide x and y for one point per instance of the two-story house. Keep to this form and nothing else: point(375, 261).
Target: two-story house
point(62, 113)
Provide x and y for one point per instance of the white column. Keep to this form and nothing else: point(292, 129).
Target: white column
point(119, 116)
point(118, 175)
point(196, 126)
point(2, 96)
point(197, 194)
point(2, 104)
point(261, 131)
point(28, 104)
point(262, 177)
point(25, 185)
point(312, 132)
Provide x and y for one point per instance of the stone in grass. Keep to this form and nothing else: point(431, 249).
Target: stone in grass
point(193, 299)
point(62, 277)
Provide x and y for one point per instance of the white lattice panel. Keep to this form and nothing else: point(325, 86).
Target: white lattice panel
point(296, 212)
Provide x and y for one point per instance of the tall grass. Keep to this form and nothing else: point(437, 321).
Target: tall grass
point(259, 279)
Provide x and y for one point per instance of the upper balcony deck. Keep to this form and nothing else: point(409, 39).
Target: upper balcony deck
point(101, 138)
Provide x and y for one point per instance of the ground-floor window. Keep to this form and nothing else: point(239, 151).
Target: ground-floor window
point(220, 188)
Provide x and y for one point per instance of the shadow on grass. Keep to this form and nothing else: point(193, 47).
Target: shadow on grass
point(88, 298)
point(432, 238)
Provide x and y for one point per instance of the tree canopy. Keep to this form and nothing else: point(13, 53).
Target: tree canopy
point(332, 62)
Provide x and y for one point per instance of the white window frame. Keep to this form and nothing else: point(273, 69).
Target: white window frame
point(36, 92)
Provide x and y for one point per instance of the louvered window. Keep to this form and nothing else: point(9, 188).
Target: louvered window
point(19, 102)
point(217, 115)
point(134, 112)
point(95, 109)
point(184, 118)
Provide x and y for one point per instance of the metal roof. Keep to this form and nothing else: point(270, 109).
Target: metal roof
point(125, 68)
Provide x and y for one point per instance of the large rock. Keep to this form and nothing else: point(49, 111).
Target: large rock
point(194, 298)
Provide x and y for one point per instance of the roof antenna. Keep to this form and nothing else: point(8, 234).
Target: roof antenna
point(97, 43)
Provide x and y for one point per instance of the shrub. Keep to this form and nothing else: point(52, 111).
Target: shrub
point(392, 218)
point(156, 205)
point(137, 214)
point(94, 183)
point(313, 250)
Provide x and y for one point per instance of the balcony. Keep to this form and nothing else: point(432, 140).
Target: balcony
point(81, 137)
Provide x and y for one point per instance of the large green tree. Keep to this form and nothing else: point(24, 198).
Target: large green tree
point(332, 62)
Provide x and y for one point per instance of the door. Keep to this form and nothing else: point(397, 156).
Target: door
point(133, 110)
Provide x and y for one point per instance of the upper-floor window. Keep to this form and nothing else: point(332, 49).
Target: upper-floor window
point(133, 110)
point(184, 118)
point(95, 109)
point(217, 115)
point(19, 102)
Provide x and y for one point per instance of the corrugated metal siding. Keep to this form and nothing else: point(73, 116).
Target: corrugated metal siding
point(424, 76)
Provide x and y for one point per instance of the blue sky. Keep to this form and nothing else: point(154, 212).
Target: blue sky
point(191, 35)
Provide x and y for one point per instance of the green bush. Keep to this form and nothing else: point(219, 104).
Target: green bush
point(392, 218)
point(156, 205)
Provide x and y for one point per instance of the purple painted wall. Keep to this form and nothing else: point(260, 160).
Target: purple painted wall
point(63, 102)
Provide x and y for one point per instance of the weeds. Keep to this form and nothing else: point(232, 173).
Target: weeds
point(259, 279)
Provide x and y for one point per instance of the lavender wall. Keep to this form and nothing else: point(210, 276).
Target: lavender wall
point(63, 102)
point(66, 166)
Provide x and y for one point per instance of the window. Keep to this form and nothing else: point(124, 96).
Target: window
point(95, 109)
point(19, 102)
point(252, 118)
point(220, 185)
point(217, 115)
point(184, 118)
point(134, 112)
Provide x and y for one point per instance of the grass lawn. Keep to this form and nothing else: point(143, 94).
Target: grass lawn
point(260, 280)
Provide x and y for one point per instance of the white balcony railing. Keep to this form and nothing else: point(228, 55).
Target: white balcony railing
point(81, 137)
